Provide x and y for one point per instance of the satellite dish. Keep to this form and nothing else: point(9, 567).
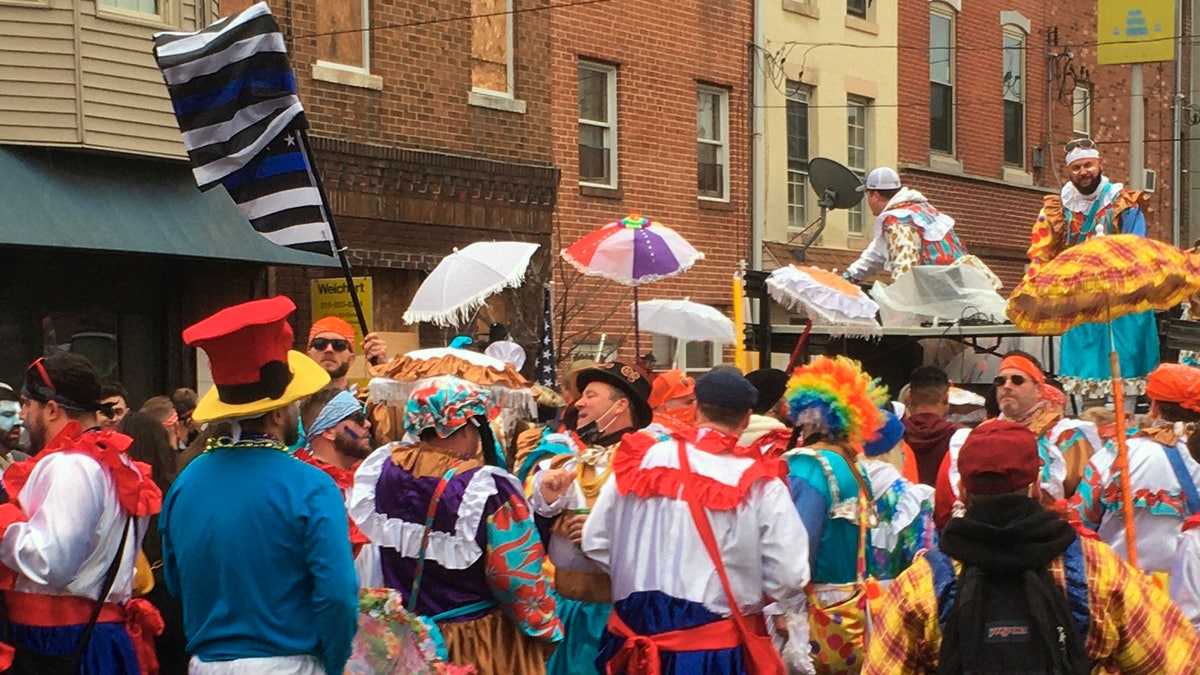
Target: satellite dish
point(836, 188)
point(835, 185)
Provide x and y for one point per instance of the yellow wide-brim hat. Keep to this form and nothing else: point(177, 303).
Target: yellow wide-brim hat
point(253, 369)
point(308, 377)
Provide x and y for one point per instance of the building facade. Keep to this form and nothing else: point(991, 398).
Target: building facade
point(109, 249)
point(1001, 88)
point(650, 115)
point(822, 100)
point(430, 124)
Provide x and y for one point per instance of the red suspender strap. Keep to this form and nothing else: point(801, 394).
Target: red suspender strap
point(758, 660)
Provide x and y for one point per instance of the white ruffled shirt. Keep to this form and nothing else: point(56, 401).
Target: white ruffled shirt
point(1185, 576)
point(73, 531)
point(560, 549)
point(653, 544)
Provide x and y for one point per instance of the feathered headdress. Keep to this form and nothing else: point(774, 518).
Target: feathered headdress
point(835, 396)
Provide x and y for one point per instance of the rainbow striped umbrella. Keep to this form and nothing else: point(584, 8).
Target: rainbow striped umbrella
point(633, 251)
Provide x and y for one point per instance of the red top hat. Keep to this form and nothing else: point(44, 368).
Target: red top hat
point(253, 369)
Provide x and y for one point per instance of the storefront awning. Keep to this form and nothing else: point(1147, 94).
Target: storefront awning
point(69, 199)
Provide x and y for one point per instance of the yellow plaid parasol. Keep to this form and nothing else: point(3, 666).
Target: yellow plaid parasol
point(1099, 280)
point(1102, 279)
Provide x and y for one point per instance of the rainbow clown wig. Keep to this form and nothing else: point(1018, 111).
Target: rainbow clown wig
point(834, 397)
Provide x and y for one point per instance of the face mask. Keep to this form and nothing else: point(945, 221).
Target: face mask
point(679, 417)
point(592, 431)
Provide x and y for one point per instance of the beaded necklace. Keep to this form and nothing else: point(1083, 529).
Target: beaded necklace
point(246, 442)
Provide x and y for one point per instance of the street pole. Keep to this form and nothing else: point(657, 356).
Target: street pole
point(1137, 129)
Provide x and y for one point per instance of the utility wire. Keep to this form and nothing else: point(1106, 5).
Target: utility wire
point(447, 19)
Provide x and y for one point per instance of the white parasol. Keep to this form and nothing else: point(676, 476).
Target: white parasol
point(463, 280)
point(685, 320)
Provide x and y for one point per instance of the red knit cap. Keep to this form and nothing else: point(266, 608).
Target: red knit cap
point(997, 458)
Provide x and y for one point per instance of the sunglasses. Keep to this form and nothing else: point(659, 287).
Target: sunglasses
point(1017, 380)
point(360, 419)
point(338, 344)
point(1080, 144)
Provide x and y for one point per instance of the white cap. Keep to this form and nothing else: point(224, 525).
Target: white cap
point(881, 178)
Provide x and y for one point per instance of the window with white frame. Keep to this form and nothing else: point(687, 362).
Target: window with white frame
point(492, 46)
point(153, 11)
point(941, 78)
point(345, 38)
point(797, 156)
point(692, 357)
point(712, 140)
point(597, 125)
point(1014, 96)
point(1081, 111)
point(857, 109)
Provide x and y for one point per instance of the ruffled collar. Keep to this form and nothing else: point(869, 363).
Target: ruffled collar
point(1076, 202)
point(713, 441)
point(667, 481)
point(136, 492)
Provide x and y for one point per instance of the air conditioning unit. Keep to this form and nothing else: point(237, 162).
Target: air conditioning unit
point(1150, 181)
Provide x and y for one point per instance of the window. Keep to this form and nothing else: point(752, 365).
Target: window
point(856, 152)
point(1014, 96)
point(712, 138)
point(693, 358)
point(941, 79)
point(344, 38)
point(491, 46)
point(1081, 111)
point(141, 6)
point(857, 8)
point(597, 125)
point(797, 156)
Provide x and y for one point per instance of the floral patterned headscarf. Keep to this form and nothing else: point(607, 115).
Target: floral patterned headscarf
point(445, 403)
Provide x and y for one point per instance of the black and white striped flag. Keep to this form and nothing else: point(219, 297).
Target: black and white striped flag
point(235, 99)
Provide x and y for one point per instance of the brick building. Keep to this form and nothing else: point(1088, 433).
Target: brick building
point(994, 91)
point(430, 123)
point(650, 115)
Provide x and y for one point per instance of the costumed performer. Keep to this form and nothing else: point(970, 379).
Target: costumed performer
point(834, 407)
point(689, 587)
point(1090, 205)
point(909, 232)
point(255, 543)
point(611, 404)
point(72, 532)
point(456, 536)
point(1162, 474)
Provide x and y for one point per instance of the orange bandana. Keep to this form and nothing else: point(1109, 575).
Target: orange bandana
point(1025, 366)
point(332, 324)
point(1175, 383)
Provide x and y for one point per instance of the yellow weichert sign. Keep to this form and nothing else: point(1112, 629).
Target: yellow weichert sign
point(331, 297)
point(1135, 31)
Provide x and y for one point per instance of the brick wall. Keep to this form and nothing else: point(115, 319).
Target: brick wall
point(1076, 21)
point(426, 81)
point(661, 56)
point(994, 212)
point(413, 169)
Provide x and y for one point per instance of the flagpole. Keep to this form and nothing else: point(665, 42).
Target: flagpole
point(337, 242)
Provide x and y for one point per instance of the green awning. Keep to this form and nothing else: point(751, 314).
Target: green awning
point(59, 198)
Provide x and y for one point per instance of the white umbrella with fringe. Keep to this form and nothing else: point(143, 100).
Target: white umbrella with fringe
point(466, 278)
